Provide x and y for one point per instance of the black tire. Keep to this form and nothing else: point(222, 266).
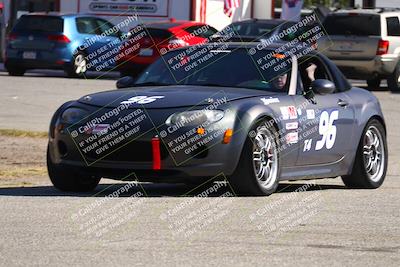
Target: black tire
point(393, 80)
point(374, 83)
point(134, 72)
point(360, 177)
point(244, 181)
point(124, 73)
point(69, 179)
point(75, 70)
point(16, 71)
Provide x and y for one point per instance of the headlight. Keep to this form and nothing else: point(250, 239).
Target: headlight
point(195, 117)
point(73, 115)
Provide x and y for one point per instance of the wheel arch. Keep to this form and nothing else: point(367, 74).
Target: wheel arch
point(360, 136)
point(380, 119)
point(250, 119)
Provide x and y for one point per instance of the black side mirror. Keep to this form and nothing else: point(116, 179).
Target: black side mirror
point(125, 82)
point(322, 87)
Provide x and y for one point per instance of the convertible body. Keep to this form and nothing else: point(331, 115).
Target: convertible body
point(180, 131)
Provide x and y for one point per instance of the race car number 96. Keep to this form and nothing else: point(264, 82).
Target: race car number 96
point(327, 130)
point(141, 99)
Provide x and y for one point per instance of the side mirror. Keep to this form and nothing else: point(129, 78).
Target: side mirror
point(125, 82)
point(322, 87)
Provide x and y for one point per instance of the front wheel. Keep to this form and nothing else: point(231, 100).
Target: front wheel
point(68, 179)
point(371, 160)
point(258, 170)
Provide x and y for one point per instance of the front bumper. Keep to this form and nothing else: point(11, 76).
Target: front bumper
point(136, 155)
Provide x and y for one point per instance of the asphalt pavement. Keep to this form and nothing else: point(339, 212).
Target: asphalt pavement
point(306, 223)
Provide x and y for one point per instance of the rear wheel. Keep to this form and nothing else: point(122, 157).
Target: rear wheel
point(258, 170)
point(78, 67)
point(394, 80)
point(15, 71)
point(70, 179)
point(371, 160)
point(374, 83)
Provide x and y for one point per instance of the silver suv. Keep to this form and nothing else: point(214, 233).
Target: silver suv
point(365, 44)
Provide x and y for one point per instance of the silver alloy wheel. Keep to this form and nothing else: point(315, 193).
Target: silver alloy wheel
point(80, 64)
point(374, 153)
point(265, 158)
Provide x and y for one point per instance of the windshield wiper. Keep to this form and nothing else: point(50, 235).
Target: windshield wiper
point(152, 84)
point(211, 84)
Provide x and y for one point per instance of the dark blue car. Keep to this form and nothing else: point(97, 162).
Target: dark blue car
point(73, 43)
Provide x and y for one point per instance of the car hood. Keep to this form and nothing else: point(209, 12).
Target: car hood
point(172, 96)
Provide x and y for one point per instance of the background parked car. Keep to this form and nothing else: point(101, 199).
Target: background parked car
point(54, 41)
point(257, 29)
point(160, 35)
point(365, 44)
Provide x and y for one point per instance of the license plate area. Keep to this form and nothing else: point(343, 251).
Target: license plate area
point(29, 55)
point(146, 52)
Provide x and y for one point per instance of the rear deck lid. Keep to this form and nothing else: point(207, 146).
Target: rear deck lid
point(351, 36)
point(38, 32)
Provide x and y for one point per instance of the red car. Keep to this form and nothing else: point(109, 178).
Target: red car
point(148, 41)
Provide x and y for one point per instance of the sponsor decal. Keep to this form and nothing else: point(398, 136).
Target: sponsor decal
point(310, 114)
point(292, 125)
point(285, 113)
point(289, 112)
point(268, 101)
point(98, 129)
point(292, 138)
point(299, 111)
point(292, 112)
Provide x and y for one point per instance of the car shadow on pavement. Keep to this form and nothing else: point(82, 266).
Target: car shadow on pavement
point(153, 190)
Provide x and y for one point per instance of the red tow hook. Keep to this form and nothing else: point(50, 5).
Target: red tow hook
point(155, 144)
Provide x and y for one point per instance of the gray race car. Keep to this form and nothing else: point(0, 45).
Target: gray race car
point(257, 115)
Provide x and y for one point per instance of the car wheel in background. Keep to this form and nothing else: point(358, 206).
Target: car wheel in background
point(371, 160)
point(258, 170)
point(394, 80)
point(15, 71)
point(78, 67)
point(69, 179)
point(374, 83)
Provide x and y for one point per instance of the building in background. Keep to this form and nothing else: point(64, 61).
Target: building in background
point(210, 11)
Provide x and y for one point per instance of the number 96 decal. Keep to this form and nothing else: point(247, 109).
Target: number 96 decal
point(327, 130)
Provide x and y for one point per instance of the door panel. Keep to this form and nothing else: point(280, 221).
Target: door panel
point(326, 129)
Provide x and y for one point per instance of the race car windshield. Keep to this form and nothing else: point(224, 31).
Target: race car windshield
point(219, 68)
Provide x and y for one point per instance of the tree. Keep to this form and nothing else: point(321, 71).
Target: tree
point(327, 3)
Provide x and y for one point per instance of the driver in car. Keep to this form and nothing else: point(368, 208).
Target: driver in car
point(280, 81)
